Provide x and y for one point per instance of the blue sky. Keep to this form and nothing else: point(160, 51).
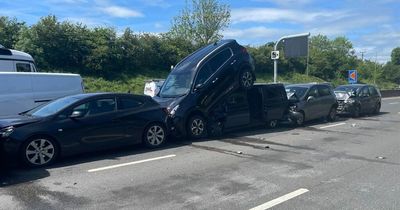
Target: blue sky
point(372, 25)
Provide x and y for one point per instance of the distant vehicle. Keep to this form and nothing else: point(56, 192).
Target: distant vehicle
point(82, 123)
point(311, 101)
point(23, 91)
point(357, 99)
point(263, 104)
point(200, 80)
point(152, 87)
point(15, 61)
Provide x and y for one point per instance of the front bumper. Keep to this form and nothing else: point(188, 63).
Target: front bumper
point(176, 126)
point(345, 108)
point(9, 148)
point(292, 116)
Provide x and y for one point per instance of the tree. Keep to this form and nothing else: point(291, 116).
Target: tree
point(396, 56)
point(201, 21)
point(9, 31)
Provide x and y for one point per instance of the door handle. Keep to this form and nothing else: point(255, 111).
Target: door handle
point(233, 62)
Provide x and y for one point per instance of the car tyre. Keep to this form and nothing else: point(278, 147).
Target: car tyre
point(332, 115)
point(196, 127)
point(154, 135)
point(39, 151)
point(356, 111)
point(300, 120)
point(246, 79)
point(377, 109)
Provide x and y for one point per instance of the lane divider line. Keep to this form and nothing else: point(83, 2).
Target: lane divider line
point(280, 200)
point(390, 98)
point(394, 103)
point(130, 163)
point(334, 125)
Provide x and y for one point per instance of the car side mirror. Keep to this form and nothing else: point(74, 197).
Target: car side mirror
point(310, 98)
point(76, 114)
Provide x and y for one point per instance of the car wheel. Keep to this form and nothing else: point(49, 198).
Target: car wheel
point(273, 123)
point(332, 114)
point(300, 120)
point(377, 108)
point(196, 127)
point(356, 111)
point(154, 135)
point(39, 151)
point(246, 79)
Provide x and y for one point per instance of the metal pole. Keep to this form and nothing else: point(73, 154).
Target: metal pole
point(276, 47)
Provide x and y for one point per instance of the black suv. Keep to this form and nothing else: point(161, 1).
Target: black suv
point(202, 79)
point(311, 101)
point(357, 99)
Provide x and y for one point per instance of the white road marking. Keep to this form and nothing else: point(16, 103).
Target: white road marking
point(334, 125)
point(391, 98)
point(280, 200)
point(394, 103)
point(130, 163)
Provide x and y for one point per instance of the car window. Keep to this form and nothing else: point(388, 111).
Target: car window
point(212, 65)
point(129, 103)
point(313, 92)
point(23, 67)
point(96, 107)
point(372, 91)
point(204, 73)
point(364, 92)
point(324, 90)
point(273, 92)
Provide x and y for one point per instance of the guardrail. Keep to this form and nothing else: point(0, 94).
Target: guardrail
point(390, 93)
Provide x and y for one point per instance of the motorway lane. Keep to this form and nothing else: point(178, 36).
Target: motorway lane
point(336, 162)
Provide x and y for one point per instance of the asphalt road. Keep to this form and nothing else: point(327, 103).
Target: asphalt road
point(348, 164)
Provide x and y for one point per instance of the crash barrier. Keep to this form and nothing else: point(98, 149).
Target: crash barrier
point(390, 93)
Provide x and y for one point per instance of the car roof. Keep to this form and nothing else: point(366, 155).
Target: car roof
point(353, 85)
point(104, 94)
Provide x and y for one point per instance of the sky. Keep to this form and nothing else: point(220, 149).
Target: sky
point(373, 26)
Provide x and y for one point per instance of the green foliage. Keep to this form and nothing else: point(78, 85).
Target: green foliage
point(10, 29)
point(396, 56)
point(201, 21)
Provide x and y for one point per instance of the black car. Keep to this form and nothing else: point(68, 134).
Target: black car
point(357, 99)
point(200, 81)
point(82, 123)
point(311, 101)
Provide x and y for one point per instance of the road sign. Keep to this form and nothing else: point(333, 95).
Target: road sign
point(274, 54)
point(353, 76)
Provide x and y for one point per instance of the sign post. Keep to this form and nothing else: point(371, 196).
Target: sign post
point(353, 77)
point(294, 46)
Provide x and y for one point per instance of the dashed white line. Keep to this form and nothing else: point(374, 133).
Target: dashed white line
point(394, 103)
point(334, 125)
point(130, 163)
point(391, 98)
point(280, 200)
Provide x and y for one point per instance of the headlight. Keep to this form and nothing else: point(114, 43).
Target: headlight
point(350, 100)
point(173, 110)
point(6, 132)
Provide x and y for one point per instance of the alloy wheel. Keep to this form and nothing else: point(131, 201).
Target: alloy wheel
point(247, 79)
point(155, 135)
point(197, 127)
point(40, 152)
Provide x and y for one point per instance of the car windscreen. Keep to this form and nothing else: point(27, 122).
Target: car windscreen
point(298, 92)
point(177, 84)
point(52, 107)
point(348, 89)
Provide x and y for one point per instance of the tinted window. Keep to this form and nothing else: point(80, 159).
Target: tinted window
point(293, 91)
point(95, 107)
point(313, 92)
point(204, 73)
point(364, 91)
point(273, 92)
point(23, 67)
point(129, 103)
point(324, 90)
point(373, 91)
point(218, 60)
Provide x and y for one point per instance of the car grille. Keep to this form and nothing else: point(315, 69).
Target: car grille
point(340, 105)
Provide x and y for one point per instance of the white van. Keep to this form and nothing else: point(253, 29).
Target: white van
point(15, 61)
point(20, 92)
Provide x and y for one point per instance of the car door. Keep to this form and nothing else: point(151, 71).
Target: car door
point(97, 128)
point(312, 108)
point(326, 99)
point(365, 99)
point(375, 99)
point(238, 113)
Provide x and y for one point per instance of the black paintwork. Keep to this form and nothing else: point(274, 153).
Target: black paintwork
point(90, 133)
point(366, 97)
point(200, 100)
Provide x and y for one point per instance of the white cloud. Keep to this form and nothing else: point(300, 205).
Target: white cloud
point(121, 12)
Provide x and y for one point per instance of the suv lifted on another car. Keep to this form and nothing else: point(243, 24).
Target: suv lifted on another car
point(311, 101)
point(200, 81)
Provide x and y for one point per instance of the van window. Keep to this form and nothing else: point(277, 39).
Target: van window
point(313, 92)
point(273, 92)
point(23, 67)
